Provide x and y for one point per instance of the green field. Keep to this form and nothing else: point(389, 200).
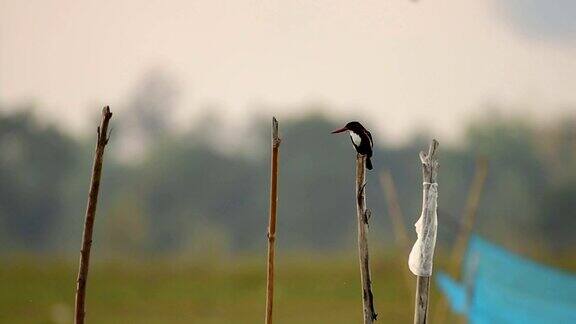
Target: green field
point(309, 290)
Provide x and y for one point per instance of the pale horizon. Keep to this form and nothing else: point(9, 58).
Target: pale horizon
point(393, 64)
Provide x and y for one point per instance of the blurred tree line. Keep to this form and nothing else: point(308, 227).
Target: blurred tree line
point(185, 196)
point(193, 193)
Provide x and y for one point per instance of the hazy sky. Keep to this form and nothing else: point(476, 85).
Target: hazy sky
point(392, 63)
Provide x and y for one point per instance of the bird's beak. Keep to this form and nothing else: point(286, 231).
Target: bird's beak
point(343, 129)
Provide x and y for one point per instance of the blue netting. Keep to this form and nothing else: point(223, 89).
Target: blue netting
point(501, 287)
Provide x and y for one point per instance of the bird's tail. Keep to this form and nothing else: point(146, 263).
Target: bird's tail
point(368, 163)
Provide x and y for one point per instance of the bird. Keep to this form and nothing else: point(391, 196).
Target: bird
point(361, 139)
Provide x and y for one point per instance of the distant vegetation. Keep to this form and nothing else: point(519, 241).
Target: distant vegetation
point(183, 196)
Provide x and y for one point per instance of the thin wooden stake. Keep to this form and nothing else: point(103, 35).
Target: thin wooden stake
point(363, 215)
point(272, 221)
point(469, 219)
point(395, 212)
point(429, 175)
point(470, 211)
point(102, 140)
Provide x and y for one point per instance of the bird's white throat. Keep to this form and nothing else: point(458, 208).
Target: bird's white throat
point(355, 138)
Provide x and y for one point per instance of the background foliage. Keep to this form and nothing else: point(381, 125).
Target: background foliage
point(182, 193)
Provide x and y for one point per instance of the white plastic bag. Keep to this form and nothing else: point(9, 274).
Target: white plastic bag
point(422, 254)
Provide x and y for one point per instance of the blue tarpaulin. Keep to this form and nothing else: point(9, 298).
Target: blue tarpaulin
point(502, 287)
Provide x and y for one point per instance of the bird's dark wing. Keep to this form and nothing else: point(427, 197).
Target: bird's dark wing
point(370, 136)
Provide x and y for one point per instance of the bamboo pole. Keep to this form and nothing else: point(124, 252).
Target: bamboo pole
point(102, 140)
point(470, 211)
point(429, 205)
point(272, 221)
point(469, 219)
point(395, 212)
point(363, 215)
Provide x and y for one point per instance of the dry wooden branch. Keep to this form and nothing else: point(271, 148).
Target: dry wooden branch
point(272, 221)
point(395, 212)
point(102, 140)
point(363, 215)
point(429, 175)
point(469, 218)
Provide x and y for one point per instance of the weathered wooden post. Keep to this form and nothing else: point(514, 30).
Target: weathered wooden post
point(272, 221)
point(363, 215)
point(362, 142)
point(422, 254)
point(101, 141)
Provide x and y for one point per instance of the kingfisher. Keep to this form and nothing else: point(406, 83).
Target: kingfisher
point(361, 139)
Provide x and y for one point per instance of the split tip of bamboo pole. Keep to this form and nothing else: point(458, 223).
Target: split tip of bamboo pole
point(432, 149)
point(275, 136)
point(427, 158)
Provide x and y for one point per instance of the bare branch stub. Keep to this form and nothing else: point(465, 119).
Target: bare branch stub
point(109, 135)
point(367, 216)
